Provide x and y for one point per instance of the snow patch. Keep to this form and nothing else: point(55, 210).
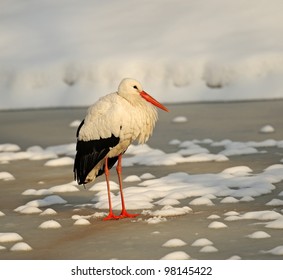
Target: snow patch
point(50, 225)
point(267, 129)
point(21, 246)
point(178, 255)
point(259, 235)
point(201, 242)
point(175, 242)
point(217, 225)
point(6, 176)
point(60, 161)
point(180, 119)
point(10, 237)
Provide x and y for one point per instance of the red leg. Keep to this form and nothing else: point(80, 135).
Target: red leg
point(124, 213)
point(111, 215)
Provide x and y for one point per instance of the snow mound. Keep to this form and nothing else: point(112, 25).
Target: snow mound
point(259, 235)
point(48, 211)
point(180, 119)
point(10, 237)
point(21, 246)
point(217, 225)
point(208, 249)
point(178, 255)
point(81, 222)
point(175, 242)
point(6, 176)
point(276, 251)
point(50, 225)
point(60, 161)
point(267, 129)
point(202, 242)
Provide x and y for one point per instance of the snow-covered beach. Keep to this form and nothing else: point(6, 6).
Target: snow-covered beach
point(218, 180)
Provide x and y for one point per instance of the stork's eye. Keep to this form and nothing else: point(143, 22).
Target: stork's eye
point(135, 87)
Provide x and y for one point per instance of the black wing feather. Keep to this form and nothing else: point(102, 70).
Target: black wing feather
point(89, 153)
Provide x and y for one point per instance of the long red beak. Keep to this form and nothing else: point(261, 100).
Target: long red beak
point(153, 101)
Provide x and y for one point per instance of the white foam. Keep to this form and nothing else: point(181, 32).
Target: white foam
point(2, 214)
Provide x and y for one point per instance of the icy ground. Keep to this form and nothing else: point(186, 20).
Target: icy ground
point(159, 199)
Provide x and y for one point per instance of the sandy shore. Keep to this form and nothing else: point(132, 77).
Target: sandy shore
point(134, 239)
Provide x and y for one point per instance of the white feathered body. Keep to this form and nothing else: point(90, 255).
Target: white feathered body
point(129, 120)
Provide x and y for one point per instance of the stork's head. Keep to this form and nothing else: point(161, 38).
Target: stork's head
point(130, 89)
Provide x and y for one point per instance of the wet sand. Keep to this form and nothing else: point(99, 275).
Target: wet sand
point(132, 238)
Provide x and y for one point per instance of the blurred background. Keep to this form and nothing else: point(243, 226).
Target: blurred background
point(66, 53)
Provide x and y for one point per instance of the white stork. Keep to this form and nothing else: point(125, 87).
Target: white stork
point(110, 126)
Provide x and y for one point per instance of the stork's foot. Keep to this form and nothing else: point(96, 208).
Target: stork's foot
point(125, 214)
point(111, 216)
